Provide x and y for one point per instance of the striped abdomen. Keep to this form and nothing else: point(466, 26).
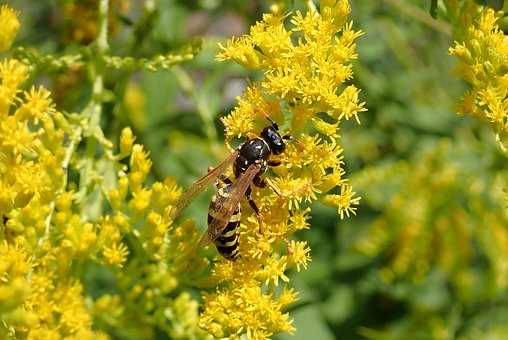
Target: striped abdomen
point(227, 242)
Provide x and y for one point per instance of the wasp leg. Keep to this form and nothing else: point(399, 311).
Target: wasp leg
point(248, 196)
point(287, 137)
point(260, 182)
point(263, 183)
point(274, 163)
point(225, 180)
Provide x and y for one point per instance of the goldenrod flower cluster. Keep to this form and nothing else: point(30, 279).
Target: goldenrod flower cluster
point(306, 61)
point(427, 226)
point(10, 25)
point(481, 47)
point(39, 297)
point(53, 230)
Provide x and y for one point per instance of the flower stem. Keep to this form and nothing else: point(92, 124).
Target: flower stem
point(93, 111)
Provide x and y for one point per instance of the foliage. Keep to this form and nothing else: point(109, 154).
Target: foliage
point(110, 108)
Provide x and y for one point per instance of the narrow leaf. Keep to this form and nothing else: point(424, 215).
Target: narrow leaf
point(433, 8)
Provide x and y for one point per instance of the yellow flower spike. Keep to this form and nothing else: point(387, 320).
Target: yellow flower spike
point(141, 201)
point(273, 270)
point(117, 196)
point(140, 161)
point(64, 201)
point(299, 254)
point(298, 220)
point(15, 260)
point(345, 202)
point(334, 179)
point(287, 297)
point(13, 294)
point(481, 49)
point(126, 141)
point(10, 25)
point(122, 222)
point(37, 103)
point(325, 128)
point(296, 190)
point(306, 60)
point(12, 74)
point(116, 254)
point(164, 195)
point(241, 121)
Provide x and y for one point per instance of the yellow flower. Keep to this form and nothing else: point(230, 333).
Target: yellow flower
point(417, 238)
point(12, 74)
point(116, 254)
point(126, 141)
point(63, 210)
point(299, 254)
point(9, 27)
point(306, 62)
point(345, 202)
point(481, 47)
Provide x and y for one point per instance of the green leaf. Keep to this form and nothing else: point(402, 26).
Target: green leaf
point(433, 8)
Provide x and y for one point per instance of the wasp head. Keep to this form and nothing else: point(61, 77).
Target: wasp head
point(273, 138)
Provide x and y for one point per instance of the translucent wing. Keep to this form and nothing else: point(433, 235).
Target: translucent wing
point(228, 205)
point(201, 184)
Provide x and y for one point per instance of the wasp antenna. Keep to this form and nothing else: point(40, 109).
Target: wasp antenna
point(267, 117)
point(272, 122)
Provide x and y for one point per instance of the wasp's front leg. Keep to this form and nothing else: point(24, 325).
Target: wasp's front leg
point(263, 183)
point(248, 196)
point(274, 163)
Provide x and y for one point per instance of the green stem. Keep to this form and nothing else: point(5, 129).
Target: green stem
point(76, 138)
point(203, 110)
point(93, 111)
point(102, 38)
point(101, 45)
point(421, 16)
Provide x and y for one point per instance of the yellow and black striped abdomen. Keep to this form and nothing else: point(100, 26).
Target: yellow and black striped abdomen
point(227, 242)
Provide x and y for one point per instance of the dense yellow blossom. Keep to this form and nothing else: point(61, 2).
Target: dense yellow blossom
point(10, 25)
point(52, 229)
point(427, 226)
point(306, 61)
point(481, 47)
point(40, 298)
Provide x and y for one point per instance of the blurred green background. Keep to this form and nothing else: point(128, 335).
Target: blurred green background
point(426, 255)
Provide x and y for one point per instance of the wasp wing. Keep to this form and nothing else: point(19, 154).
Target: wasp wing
point(228, 205)
point(201, 185)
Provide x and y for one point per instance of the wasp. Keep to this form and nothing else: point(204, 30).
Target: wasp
point(250, 161)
